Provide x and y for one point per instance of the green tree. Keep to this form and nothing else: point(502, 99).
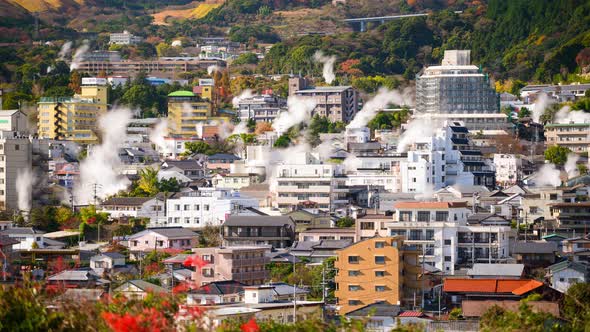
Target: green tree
point(282, 142)
point(248, 58)
point(198, 147)
point(169, 185)
point(523, 113)
point(557, 154)
point(576, 306)
point(345, 222)
point(148, 181)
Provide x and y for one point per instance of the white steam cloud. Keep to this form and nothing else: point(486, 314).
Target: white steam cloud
point(100, 168)
point(65, 50)
point(24, 188)
point(299, 110)
point(77, 58)
point(328, 62)
point(548, 175)
point(415, 129)
point(213, 68)
point(158, 134)
point(243, 95)
point(177, 43)
point(571, 165)
point(383, 98)
point(542, 102)
point(567, 115)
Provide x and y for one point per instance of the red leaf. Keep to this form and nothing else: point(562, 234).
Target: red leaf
point(250, 326)
point(195, 261)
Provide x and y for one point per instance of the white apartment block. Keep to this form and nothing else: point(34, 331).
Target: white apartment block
point(124, 38)
point(308, 182)
point(377, 172)
point(208, 206)
point(446, 158)
point(508, 168)
point(441, 231)
point(15, 156)
point(260, 108)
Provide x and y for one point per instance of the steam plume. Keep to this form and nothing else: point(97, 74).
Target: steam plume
point(299, 110)
point(100, 167)
point(65, 50)
point(77, 58)
point(243, 95)
point(24, 188)
point(211, 69)
point(415, 129)
point(158, 133)
point(383, 98)
point(548, 175)
point(540, 105)
point(176, 43)
point(328, 62)
point(571, 165)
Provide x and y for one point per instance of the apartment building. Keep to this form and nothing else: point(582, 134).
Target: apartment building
point(15, 156)
point(573, 136)
point(74, 118)
point(185, 111)
point(448, 157)
point(445, 239)
point(509, 169)
point(14, 120)
point(207, 206)
point(124, 38)
point(275, 231)
point(205, 88)
point(559, 92)
point(379, 269)
point(573, 217)
point(260, 108)
point(163, 67)
point(305, 181)
point(245, 264)
point(456, 86)
point(338, 103)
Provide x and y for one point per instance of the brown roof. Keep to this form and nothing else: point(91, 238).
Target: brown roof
point(375, 216)
point(478, 308)
point(514, 286)
point(330, 230)
point(429, 205)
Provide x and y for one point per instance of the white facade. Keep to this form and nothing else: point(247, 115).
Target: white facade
point(207, 206)
point(444, 236)
point(124, 38)
point(562, 280)
point(307, 180)
point(13, 120)
point(173, 147)
point(508, 168)
point(152, 209)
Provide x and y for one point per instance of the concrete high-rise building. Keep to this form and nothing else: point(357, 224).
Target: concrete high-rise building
point(15, 156)
point(261, 108)
point(185, 111)
point(457, 90)
point(74, 118)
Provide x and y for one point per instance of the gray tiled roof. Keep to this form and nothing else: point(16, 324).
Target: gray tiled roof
point(534, 247)
point(126, 201)
point(168, 232)
point(143, 285)
point(496, 270)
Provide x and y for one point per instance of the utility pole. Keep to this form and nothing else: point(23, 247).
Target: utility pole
point(323, 284)
point(422, 275)
point(294, 293)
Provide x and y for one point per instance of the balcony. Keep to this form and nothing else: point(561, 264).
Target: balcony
point(252, 275)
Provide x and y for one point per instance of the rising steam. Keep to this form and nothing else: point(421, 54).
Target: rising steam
point(78, 56)
point(383, 98)
point(100, 168)
point(548, 175)
point(328, 68)
point(299, 110)
point(65, 50)
point(213, 68)
point(571, 165)
point(24, 188)
point(158, 134)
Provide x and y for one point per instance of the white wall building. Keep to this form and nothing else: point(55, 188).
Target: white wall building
point(440, 229)
point(508, 168)
point(124, 38)
point(208, 206)
point(305, 180)
point(15, 157)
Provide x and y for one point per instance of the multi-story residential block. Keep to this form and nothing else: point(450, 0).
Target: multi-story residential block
point(338, 103)
point(445, 239)
point(185, 112)
point(124, 38)
point(242, 264)
point(446, 158)
point(508, 168)
point(374, 270)
point(205, 88)
point(306, 181)
point(559, 92)
point(15, 156)
point(174, 146)
point(74, 118)
point(163, 67)
point(573, 217)
point(207, 206)
point(573, 136)
point(456, 86)
point(260, 108)
point(536, 205)
point(275, 231)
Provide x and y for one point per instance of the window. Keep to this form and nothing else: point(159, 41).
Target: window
point(442, 215)
point(447, 242)
point(206, 207)
point(379, 274)
point(423, 215)
point(16, 147)
point(187, 220)
point(379, 288)
point(354, 302)
point(197, 207)
point(367, 225)
point(379, 259)
point(447, 258)
point(354, 288)
point(186, 207)
point(177, 207)
point(380, 244)
point(353, 259)
point(354, 273)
